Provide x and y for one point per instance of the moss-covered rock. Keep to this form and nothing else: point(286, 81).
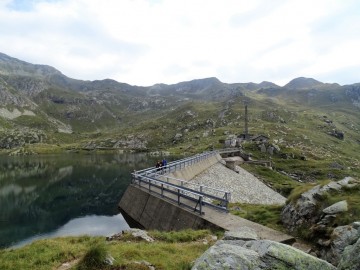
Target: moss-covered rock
point(261, 254)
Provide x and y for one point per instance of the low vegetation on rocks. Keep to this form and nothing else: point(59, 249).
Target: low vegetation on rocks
point(172, 250)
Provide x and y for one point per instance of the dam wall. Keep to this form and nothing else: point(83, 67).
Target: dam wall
point(152, 212)
point(190, 172)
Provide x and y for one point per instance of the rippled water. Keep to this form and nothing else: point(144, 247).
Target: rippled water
point(70, 194)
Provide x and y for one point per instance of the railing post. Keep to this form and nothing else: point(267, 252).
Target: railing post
point(201, 188)
point(178, 196)
point(201, 199)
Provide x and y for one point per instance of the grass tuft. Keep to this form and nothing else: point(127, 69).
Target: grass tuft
point(94, 258)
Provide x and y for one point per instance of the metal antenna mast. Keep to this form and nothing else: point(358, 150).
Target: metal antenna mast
point(246, 131)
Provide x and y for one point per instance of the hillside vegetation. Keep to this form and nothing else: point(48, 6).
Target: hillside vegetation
point(314, 125)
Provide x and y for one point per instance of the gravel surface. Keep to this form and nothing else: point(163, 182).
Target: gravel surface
point(244, 187)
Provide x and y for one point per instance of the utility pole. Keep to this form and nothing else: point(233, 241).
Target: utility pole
point(246, 131)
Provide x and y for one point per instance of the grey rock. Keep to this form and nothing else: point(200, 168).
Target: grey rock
point(137, 233)
point(327, 219)
point(257, 254)
point(304, 210)
point(340, 238)
point(356, 225)
point(109, 260)
point(276, 148)
point(338, 207)
point(178, 136)
point(263, 148)
point(348, 182)
point(350, 258)
point(205, 134)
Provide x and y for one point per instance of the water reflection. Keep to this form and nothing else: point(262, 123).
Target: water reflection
point(38, 194)
point(88, 225)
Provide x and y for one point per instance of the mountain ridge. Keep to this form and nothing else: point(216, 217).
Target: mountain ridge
point(64, 110)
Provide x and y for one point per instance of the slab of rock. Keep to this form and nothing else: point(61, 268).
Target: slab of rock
point(257, 254)
point(341, 238)
point(350, 258)
point(338, 207)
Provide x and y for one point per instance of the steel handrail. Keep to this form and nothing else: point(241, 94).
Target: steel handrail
point(182, 192)
point(201, 156)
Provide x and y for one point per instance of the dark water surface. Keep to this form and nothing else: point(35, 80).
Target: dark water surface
point(59, 195)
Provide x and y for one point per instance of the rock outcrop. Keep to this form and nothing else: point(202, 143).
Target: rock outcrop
point(305, 212)
point(308, 214)
point(350, 258)
point(341, 238)
point(257, 254)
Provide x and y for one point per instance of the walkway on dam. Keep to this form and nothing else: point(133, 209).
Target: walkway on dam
point(230, 222)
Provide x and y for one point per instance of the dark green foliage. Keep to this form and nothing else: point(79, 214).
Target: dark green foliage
point(94, 259)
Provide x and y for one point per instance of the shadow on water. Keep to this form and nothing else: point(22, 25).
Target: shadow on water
point(43, 196)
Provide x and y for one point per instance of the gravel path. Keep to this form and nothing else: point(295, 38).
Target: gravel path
point(244, 187)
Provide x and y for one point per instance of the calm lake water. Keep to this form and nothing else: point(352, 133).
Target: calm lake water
point(60, 195)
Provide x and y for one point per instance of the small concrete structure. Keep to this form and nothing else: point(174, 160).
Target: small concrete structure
point(231, 162)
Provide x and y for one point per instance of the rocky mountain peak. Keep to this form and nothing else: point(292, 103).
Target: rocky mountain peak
point(303, 83)
point(14, 66)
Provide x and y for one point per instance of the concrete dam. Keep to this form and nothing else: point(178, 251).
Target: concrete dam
point(166, 199)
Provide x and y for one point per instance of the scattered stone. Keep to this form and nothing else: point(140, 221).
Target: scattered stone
point(336, 165)
point(136, 233)
point(338, 207)
point(109, 260)
point(178, 136)
point(263, 148)
point(147, 264)
point(337, 134)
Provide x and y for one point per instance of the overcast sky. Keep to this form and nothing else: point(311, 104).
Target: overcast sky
point(143, 42)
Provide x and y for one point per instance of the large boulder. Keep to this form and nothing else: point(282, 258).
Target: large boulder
point(350, 258)
point(341, 238)
point(257, 254)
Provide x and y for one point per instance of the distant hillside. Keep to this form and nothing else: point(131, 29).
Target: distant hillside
point(38, 104)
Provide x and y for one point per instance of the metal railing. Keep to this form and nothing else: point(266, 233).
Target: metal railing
point(184, 196)
point(181, 191)
point(179, 164)
point(213, 193)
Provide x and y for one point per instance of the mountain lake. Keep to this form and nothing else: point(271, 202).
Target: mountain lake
point(44, 196)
